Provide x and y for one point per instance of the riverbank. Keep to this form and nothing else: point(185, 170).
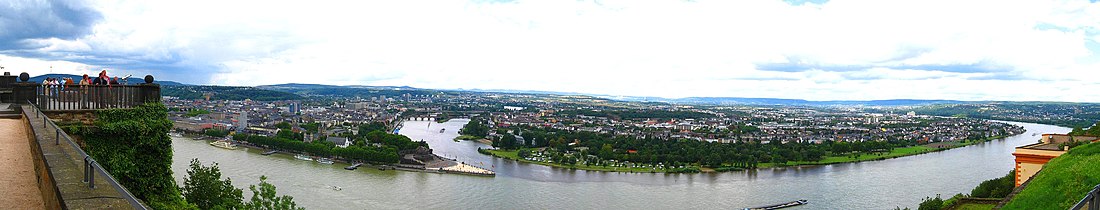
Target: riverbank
point(460, 168)
point(847, 158)
point(514, 155)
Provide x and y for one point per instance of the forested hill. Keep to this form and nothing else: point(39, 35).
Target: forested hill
point(227, 93)
point(348, 91)
point(1071, 115)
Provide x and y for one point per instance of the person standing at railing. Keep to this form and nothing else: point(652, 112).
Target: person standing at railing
point(45, 87)
point(68, 82)
point(56, 84)
point(84, 83)
point(103, 78)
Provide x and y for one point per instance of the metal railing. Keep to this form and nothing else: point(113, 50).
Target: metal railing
point(1091, 200)
point(76, 97)
point(91, 167)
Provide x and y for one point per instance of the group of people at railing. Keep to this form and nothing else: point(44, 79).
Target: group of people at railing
point(51, 86)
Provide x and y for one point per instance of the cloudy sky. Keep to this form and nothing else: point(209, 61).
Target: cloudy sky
point(816, 50)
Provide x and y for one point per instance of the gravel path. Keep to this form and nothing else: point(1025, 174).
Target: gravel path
point(18, 186)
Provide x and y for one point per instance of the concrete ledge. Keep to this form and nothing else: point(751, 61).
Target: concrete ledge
point(66, 170)
point(50, 194)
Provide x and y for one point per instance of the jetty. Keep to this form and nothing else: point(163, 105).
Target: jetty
point(780, 206)
point(353, 167)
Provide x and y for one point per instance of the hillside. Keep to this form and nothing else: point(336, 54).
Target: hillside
point(1063, 181)
point(228, 93)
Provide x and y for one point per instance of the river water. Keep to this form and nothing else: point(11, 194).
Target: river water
point(867, 185)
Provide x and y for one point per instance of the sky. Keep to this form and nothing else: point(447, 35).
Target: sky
point(798, 49)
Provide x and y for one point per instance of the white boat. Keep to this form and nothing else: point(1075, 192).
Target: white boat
point(324, 161)
point(223, 144)
point(303, 157)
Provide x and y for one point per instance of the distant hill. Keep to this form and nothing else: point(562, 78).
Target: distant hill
point(132, 80)
point(787, 102)
point(318, 86)
point(295, 86)
point(228, 93)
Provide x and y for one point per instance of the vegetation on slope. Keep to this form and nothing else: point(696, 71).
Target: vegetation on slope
point(1062, 182)
point(227, 93)
point(133, 145)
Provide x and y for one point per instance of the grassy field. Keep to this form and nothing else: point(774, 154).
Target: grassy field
point(466, 137)
point(896, 152)
point(1063, 181)
point(514, 155)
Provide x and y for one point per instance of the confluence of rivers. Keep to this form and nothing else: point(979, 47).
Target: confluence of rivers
point(866, 185)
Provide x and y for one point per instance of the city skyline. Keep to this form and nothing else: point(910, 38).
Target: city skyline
point(813, 50)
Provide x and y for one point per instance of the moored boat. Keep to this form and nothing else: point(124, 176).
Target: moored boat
point(780, 206)
point(353, 167)
point(303, 157)
point(269, 152)
point(324, 161)
point(223, 144)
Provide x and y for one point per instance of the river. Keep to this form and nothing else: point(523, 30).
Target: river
point(868, 185)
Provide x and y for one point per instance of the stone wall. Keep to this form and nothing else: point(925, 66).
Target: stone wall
point(50, 194)
point(61, 117)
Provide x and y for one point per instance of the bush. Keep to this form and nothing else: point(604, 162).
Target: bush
point(995, 188)
point(133, 145)
point(931, 203)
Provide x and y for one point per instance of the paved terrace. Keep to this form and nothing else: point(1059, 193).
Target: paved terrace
point(18, 182)
point(63, 183)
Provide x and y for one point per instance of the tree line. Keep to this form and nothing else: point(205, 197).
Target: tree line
point(746, 154)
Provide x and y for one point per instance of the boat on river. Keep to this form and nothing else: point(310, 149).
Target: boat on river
point(223, 144)
point(269, 152)
point(353, 167)
point(303, 157)
point(324, 161)
point(780, 206)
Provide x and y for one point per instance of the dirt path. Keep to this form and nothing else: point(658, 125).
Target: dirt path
point(18, 186)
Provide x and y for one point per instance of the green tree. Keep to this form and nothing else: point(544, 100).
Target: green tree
point(204, 187)
point(931, 203)
point(133, 145)
point(265, 198)
point(282, 125)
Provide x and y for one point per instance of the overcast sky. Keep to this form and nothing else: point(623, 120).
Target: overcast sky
point(816, 50)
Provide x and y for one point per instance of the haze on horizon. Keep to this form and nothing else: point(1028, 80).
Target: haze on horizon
point(814, 50)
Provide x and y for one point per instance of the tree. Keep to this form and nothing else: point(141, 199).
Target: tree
point(931, 203)
point(369, 127)
point(204, 188)
point(265, 198)
point(282, 125)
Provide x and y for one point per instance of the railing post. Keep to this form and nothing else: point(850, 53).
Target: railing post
point(1094, 204)
point(86, 169)
point(91, 175)
point(57, 136)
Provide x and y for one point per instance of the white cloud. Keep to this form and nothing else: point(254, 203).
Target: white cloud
point(645, 48)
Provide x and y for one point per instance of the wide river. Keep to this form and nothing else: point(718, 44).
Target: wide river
point(867, 185)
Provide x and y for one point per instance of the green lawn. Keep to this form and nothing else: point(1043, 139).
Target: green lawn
point(1063, 181)
point(514, 155)
point(896, 152)
point(466, 137)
